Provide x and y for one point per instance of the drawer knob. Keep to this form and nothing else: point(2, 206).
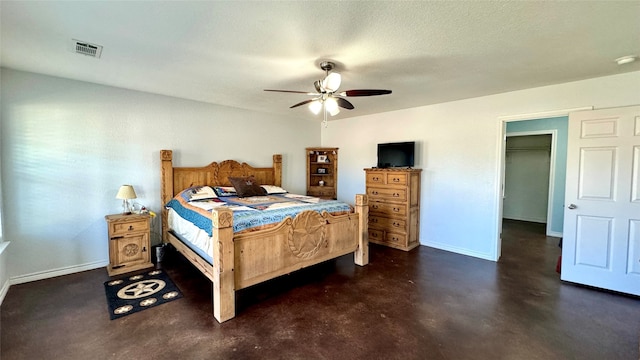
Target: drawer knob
point(374, 192)
point(396, 180)
point(396, 209)
point(396, 224)
point(374, 206)
point(130, 227)
point(396, 195)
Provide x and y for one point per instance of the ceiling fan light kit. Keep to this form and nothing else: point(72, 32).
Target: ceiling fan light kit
point(326, 96)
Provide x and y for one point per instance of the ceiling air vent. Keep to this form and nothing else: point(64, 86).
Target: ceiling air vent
point(85, 48)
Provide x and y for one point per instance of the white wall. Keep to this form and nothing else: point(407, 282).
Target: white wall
point(67, 146)
point(526, 178)
point(459, 149)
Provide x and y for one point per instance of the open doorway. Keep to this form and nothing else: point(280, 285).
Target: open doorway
point(557, 128)
point(527, 177)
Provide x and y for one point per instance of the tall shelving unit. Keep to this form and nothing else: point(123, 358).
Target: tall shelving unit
point(322, 172)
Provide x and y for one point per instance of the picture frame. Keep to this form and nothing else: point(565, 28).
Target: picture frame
point(322, 158)
point(322, 170)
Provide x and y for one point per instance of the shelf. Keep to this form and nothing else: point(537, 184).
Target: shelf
point(329, 176)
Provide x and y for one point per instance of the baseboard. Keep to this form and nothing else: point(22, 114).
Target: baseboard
point(461, 251)
point(4, 290)
point(518, 218)
point(57, 272)
point(554, 234)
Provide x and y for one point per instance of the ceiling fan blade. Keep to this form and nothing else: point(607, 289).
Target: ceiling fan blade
point(365, 92)
point(292, 91)
point(301, 103)
point(343, 103)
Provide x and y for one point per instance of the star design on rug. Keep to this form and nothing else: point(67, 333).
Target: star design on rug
point(147, 302)
point(123, 309)
point(141, 289)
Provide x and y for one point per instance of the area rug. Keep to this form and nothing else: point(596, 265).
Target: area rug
point(134, 293)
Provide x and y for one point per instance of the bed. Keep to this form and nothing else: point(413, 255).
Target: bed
point(239, 259)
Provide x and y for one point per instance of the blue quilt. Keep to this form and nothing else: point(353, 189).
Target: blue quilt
point(253, 212)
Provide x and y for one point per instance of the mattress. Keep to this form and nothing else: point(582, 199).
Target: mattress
point(190, 221)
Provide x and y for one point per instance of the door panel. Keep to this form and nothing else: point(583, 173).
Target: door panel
point(601, 244)
point(593, 246)
point(597, 173)
point(634, 247)
point(635, 187)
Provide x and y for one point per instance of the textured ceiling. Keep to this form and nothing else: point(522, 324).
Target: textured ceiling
point(227, 52)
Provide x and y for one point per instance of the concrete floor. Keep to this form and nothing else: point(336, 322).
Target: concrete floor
point(423, 304)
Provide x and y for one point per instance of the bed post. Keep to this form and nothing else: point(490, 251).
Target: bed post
point(277, 169)
point(361, 255)
point(166, 188)
point(224, 300)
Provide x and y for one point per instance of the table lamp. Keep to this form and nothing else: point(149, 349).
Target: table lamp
point(126, 193)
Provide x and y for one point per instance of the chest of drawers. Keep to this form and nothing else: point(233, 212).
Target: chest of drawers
point(394, 207)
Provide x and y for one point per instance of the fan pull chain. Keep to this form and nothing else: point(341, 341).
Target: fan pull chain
point(324, 121)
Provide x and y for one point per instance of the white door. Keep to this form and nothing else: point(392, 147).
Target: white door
point(601, 244)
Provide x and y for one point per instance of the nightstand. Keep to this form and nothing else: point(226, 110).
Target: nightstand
point(129, 243)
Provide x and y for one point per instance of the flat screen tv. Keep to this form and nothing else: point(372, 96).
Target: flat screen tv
point(400, 154)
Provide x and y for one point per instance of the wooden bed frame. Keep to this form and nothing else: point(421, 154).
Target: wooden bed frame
point(248, 258)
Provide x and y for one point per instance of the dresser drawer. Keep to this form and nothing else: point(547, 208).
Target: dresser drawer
point(127, 227)
point(391, 224)
point(396, 238)
point(387, 193)
point(376, 178)
point(387, 209)
point(376, 235)
point(397, 179)
point(380, 237)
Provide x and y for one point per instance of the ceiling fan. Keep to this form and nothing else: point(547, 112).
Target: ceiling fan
point(327, 97)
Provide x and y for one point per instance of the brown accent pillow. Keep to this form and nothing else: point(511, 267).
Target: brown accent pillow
point(246, 186)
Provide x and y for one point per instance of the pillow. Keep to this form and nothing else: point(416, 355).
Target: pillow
point(272, 189)
point(225, 190)
point(202, 193)
point(246, 186)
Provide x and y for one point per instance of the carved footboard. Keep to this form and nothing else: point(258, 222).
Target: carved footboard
point(307, 239)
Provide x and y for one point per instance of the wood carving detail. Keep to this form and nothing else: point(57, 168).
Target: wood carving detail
point(222, 219)
point(307, 234)
point(166, 155)
point(131, 250)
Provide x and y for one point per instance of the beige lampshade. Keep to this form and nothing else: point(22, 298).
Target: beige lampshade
point(126, 192)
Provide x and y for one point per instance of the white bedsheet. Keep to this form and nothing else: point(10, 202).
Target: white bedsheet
point(189, 232)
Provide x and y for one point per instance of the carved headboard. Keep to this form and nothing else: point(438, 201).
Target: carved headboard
point(175, 179)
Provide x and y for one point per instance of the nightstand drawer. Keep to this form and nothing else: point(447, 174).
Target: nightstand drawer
point(388, 209)
point(123, 228)
point(387, 193)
